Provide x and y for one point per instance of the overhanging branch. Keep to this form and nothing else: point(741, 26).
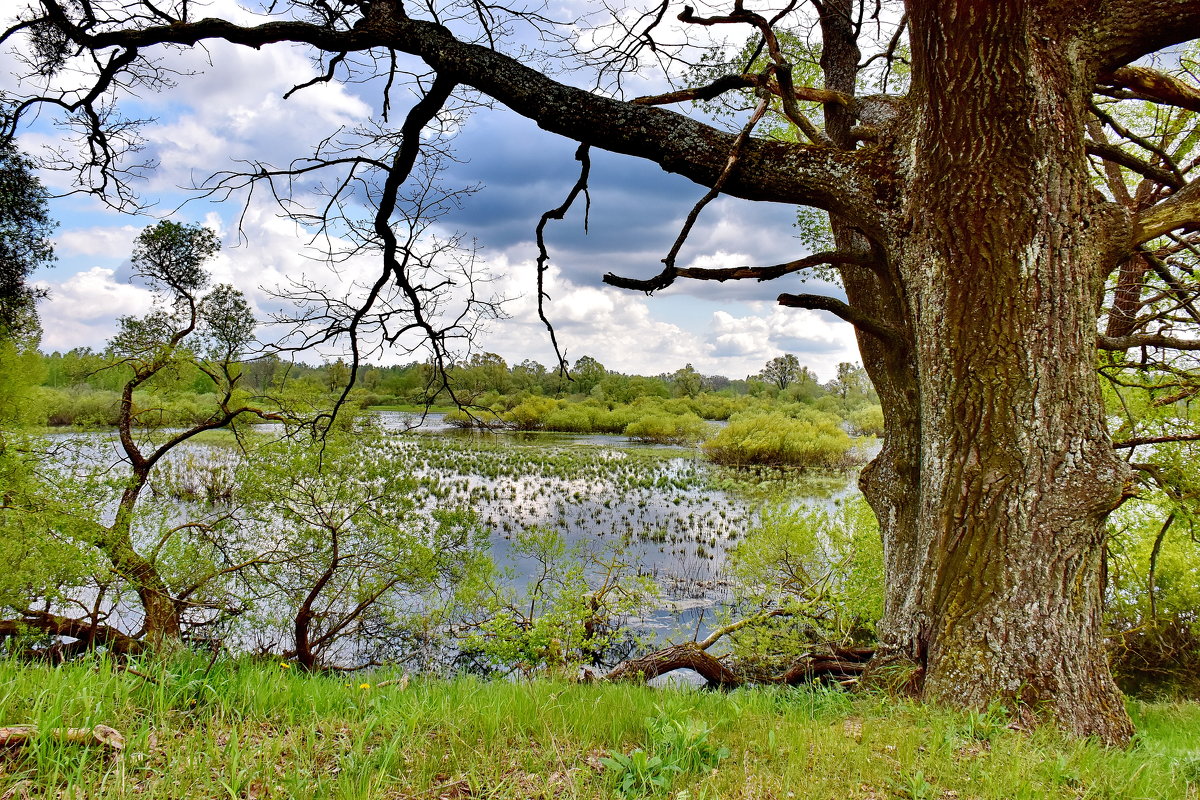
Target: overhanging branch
point(1180, 210)
point(828, 258)
point(585, 165)
point(822, 177)
point(844, 311)
point(1155, 86)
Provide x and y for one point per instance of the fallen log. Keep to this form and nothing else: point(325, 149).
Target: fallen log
point(841, 663)
point(86, 634)
point(837, 665)
point(688, 655)
point(99, 736)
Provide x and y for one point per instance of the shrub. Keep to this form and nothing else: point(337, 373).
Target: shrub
point(531, 413)
point(867, 420)
point(824, 567)
point(92, 409)
point(667, 429)
point(774, 439)
point(571, 418)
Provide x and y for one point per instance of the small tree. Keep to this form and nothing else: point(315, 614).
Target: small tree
point(359, 559)
point(586, 374)
point(568, 613)
point(188, 328)
point(687, 382)
point(782, 370)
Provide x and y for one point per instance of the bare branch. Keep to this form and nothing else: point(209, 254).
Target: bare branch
point(1183, 437)
point(1146, 340)
point(667, 276)
point(585, 164)
point(326, 77)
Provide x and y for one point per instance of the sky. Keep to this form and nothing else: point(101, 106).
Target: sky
point(230, 106)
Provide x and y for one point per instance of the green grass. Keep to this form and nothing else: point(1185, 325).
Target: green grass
point(250, 729)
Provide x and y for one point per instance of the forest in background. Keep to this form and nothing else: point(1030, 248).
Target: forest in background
point(783, 415)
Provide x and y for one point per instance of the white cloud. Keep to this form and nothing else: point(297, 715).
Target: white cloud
point(82, 310)
point(106, 242)
point(817, 340)
point(222, 115)
point(616, 328)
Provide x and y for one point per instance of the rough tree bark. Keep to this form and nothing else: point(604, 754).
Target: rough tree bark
point(973, 251)
point(994, 549)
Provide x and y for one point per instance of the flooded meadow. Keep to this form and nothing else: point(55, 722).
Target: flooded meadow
point(662, 515)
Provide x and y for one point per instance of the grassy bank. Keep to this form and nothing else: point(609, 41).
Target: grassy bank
point(257, 730)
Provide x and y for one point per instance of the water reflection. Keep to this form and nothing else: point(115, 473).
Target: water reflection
point(670, 514)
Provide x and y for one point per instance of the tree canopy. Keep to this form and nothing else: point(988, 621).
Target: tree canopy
point(25, 227)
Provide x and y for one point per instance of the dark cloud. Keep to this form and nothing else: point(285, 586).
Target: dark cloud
point(636, 213)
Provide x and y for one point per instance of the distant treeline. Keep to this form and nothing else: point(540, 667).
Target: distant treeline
point(787, 402)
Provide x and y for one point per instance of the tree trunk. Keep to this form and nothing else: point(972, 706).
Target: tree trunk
point(997, 473)
point(162, 624)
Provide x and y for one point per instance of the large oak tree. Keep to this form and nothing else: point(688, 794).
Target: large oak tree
point(977, 217)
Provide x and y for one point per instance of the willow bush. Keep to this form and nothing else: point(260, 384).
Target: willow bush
point(667, 429)
point(808, 439)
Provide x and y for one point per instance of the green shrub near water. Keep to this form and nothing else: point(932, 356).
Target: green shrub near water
point(808, 439)
point(667, 429)
point(867, 420)
point(84, 407)
point(650, 419)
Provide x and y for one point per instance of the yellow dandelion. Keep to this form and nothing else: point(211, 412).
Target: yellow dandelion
point(364, 686)
point(285, 665)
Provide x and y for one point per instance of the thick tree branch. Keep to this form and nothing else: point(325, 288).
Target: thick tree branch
point(817, 302)
point(838, 664)
point(1131, 443)
point(1112, 153)
point(58, 625)
point(1180, 210)
point(768, 170)
point(1158, 340)
point(1126, 30)
point(101, 735)
point(729, 83)
point(1155, 86)
point(831, 258)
